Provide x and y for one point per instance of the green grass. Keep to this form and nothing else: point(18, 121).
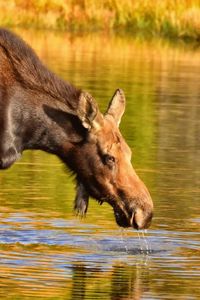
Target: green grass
point(171, 18)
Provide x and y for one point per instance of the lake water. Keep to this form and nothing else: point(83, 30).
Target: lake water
point(48, 253)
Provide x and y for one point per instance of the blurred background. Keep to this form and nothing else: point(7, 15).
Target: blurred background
point(171, 18)
point(151, 50)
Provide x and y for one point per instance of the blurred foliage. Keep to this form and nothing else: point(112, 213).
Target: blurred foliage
point(167, 17)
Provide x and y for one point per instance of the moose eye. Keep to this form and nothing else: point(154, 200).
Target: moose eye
point(109, 160)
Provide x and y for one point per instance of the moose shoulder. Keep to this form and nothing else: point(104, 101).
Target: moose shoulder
point(38, 110)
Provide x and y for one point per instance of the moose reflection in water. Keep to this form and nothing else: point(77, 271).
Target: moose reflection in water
point(127, 282)
point(40, 111)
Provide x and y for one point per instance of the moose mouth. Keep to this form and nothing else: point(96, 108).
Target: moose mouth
point(137, 216)
point(136, 219)
point(123, 219)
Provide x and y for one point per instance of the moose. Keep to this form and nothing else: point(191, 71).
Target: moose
point(40, 111)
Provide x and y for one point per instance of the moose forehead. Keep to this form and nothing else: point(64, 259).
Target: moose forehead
point(110, 140)
point(102, 129)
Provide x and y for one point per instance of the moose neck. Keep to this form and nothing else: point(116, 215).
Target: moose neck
point(43, 123)
point(38, 109)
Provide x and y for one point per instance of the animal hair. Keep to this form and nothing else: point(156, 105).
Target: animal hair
point(30, 72)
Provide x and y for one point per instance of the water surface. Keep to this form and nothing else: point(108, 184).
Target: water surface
point(48, 253)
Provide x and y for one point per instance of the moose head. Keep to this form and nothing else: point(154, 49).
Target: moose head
point(103, 166)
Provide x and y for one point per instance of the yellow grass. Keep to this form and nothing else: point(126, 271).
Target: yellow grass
point(173, 18)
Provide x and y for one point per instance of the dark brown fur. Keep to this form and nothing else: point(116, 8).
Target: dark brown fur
point(28, 70)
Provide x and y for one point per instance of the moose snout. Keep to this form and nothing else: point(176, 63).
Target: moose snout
point(134, 214)
point(143, 211)
point(136, 210)
point(141, 219)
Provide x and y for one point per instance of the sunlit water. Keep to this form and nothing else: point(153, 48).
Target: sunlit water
point(47, 252)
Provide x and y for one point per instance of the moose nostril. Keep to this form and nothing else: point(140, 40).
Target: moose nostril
point(142, 219)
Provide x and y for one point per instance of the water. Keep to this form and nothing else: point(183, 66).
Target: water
point(46, 252)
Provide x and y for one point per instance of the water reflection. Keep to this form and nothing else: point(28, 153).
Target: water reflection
point(45, 251)
point(63, 258)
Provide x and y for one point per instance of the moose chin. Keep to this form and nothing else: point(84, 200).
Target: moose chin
point(38, 110)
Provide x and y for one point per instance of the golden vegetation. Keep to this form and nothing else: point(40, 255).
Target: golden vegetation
point(167, 17)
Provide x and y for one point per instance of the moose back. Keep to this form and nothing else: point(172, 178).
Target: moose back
point(38, 110)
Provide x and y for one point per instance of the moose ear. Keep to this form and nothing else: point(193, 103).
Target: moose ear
point(88, 112)
point(116, 106)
